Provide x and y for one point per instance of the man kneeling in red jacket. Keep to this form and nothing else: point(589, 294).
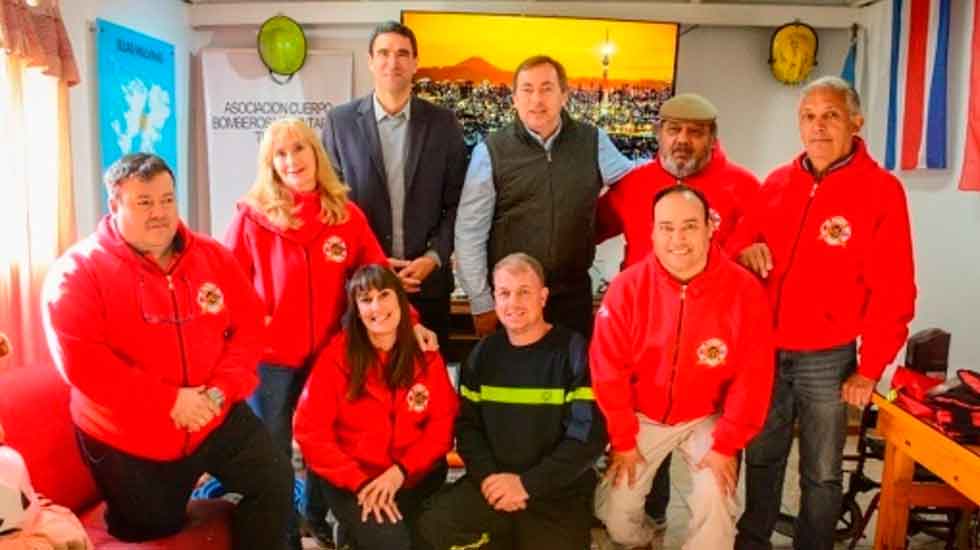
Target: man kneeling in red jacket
point(158, 332)
point(681, 358)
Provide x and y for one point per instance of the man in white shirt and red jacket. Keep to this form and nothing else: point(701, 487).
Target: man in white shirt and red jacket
point(689, 154)
point(681, 358)
point(830, 238)
point(158, 332)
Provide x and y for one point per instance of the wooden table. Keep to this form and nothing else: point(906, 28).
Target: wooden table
point(908, 441)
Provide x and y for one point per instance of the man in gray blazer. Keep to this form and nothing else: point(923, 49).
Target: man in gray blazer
point(404, 160)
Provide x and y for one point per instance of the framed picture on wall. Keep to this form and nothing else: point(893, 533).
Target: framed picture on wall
point(619, 71)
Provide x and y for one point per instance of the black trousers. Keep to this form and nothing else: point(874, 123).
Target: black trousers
point(460, 517)
point(371, 535)
point(433, 314)
point(147, 499)
point(659, 497)
point(570, 305)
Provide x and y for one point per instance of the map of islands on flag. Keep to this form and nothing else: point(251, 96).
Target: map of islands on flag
point(137, 107)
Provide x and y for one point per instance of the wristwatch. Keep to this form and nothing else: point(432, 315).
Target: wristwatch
point(216, 396)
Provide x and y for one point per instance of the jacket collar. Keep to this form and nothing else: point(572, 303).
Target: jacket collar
point(858, 155)
point(700, 282)
point(111, 240)
point(310, 230)
point(524, 134)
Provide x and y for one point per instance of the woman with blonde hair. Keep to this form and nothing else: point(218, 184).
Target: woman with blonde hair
point(298, 238)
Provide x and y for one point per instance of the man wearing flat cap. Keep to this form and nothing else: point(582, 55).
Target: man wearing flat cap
point(689, 154)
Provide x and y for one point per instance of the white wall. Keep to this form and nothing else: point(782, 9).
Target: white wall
point(756, 114)
point(163, 19)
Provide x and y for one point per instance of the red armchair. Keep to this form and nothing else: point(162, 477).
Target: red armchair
point(34, 413)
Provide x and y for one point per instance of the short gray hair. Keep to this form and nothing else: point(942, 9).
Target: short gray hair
point(142, 166)
point(519, 261)
point(838, 85)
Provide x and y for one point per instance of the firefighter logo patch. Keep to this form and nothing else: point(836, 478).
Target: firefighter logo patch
point(418, 398)
point(210, 298)
point(714, 217)
point(335, 249)
point(712, 352)
point(835, 231)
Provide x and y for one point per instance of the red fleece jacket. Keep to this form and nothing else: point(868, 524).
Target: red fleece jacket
point(301, 274)
point(351, 442)
point(127, 335)
point(842, 258)
point(627, 207)
point(676, 352)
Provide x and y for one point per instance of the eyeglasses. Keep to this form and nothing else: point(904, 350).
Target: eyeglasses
point(163, 303)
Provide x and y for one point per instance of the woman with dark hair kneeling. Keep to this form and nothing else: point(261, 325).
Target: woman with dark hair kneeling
point(376, 418)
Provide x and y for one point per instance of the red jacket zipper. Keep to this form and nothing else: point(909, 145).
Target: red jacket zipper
point(792, 253)
point(309, 301)
point(180, 344)
point(673, 365)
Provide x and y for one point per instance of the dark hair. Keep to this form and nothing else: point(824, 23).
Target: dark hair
point(361, 354)
point(537, 60)
point(681, 188)
point(397, 28)
point(142, 166)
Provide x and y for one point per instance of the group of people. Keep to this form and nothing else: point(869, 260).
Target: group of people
point(738, 313)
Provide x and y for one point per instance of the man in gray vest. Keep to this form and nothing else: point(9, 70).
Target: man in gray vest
point(532, 187)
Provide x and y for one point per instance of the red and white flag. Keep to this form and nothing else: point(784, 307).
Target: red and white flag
point(970, 176)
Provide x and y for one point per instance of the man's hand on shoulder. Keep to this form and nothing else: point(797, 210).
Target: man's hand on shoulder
point(757, 258)
point(193, 409)
point(505, 492)
point(426, 339)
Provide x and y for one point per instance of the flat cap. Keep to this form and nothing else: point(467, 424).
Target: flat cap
point(688, 107)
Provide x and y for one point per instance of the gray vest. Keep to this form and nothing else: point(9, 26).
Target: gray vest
point(546, 201)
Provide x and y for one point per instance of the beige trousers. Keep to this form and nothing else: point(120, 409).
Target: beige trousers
point(712, 525)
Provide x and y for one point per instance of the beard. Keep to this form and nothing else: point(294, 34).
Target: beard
point(689, 168)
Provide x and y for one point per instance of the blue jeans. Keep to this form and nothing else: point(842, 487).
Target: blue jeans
point(274, 401)
point(807, 389)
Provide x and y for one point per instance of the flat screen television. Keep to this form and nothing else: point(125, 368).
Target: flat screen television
point(619, 71)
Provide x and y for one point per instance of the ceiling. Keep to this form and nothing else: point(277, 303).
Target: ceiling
point(841, 3)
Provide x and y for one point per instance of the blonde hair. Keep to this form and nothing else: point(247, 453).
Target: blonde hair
point(269, 195)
